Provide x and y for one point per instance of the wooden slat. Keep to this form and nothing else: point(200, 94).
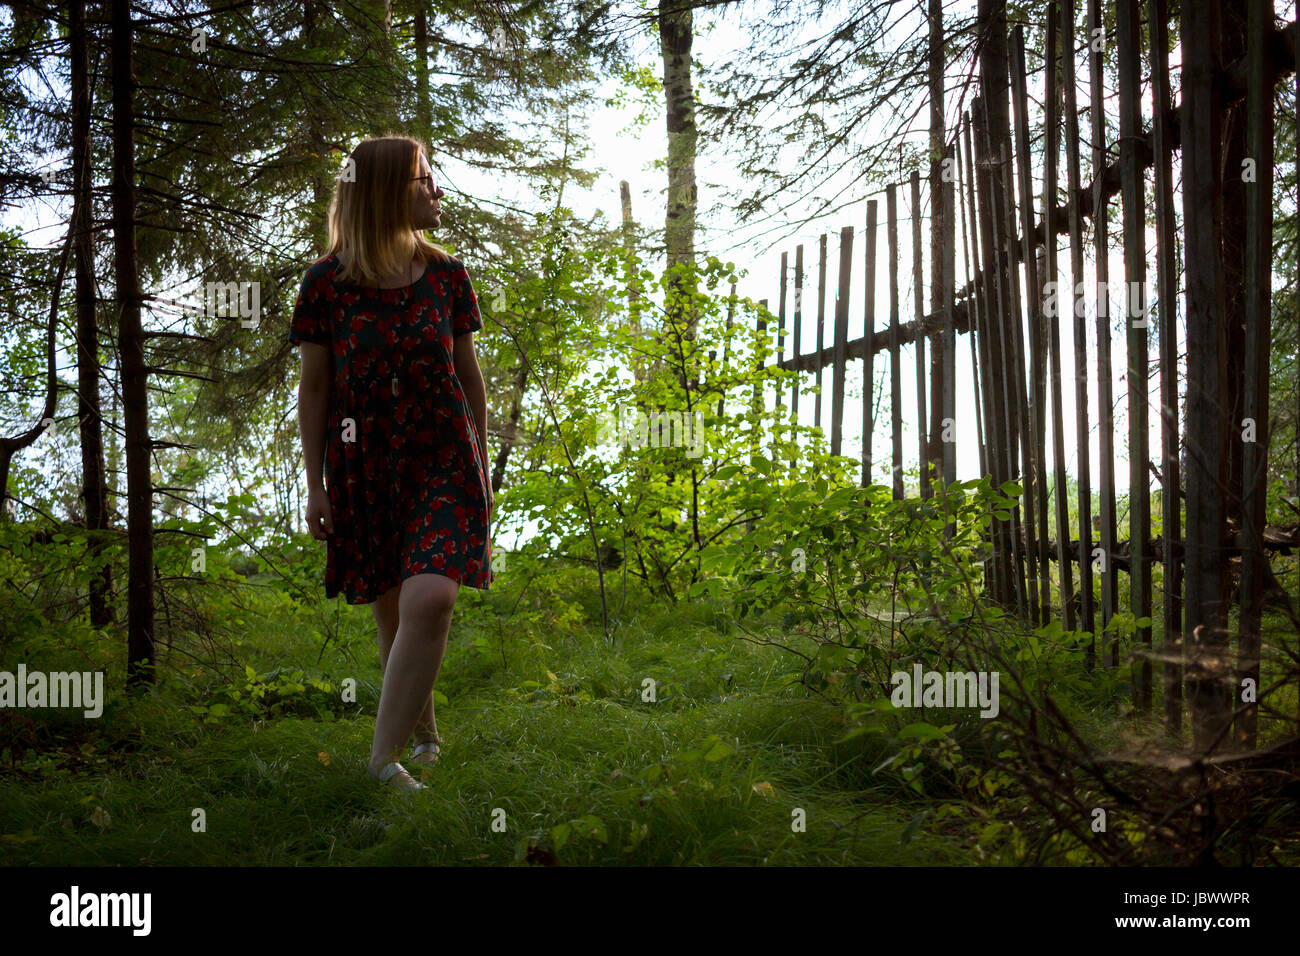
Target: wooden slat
point(943, 378)
point(1207, 421)
point(868, 333)
point(761, 324)
point(810, 360)
point(780, 321)
point(997, 577)
point(760, 356)
point(1070, 300)
point(895, 373)
point(1129, 28)
point(1003, 373)
point(942, 239)
point(918, 309)
point(1036, 358)
point(726, 344)
point(1064, 570)
point(1259, 248)
point(968, 248)
point(841, 337)
point(995, 372)
point(821, 323)
point(797, 345)
point(992, 128)
point(1105, 398)
point(1016, 369)
point(1166, 298)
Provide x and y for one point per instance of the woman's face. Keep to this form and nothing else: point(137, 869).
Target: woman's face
point(426, 201)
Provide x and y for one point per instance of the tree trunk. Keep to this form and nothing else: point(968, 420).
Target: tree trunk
point(633, 280)
point(510, 431)
point(94, 487)
point(130, 344)
point(384, 119)
point(423, 113)
point(318, 145)
point(675, 34)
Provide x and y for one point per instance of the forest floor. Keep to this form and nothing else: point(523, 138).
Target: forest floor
point(553, 752)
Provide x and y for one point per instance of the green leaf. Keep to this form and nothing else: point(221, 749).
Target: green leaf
point(922, 731)
point(590, 826)
point(912, 827)
point(560, 835)
point(717, 751)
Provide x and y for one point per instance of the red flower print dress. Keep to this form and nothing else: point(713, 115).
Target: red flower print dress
point(406, 478)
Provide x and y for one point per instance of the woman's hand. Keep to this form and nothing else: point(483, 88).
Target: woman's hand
point(320, 520)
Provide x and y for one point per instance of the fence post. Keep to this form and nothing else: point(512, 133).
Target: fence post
point(869, 343)
point(895, 374)
point(841, 338)
point(1087, 604)
point(1105, 399)
point(918, 309)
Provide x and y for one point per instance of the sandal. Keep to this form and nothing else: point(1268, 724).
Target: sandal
point(399, 776)
point(426, 753)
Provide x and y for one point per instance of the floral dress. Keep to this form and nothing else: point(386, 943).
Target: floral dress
point(406, 478)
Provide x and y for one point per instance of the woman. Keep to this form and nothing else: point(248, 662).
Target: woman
point(393, 415)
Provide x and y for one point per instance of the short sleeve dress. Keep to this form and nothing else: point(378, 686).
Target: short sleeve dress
point(406, 478)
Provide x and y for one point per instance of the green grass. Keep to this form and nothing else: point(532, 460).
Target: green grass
point(710, 773)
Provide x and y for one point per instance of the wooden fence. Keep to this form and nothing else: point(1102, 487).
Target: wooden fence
point(1213, 450)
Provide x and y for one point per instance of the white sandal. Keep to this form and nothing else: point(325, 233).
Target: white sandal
point(426, 753)
point(403, 781)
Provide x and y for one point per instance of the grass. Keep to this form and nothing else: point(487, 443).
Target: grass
point(549, 746)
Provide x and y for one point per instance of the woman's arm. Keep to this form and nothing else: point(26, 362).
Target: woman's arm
point(471, 380)
point(313, 415)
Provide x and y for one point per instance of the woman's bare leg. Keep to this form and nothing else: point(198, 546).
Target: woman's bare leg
point(387, 618)
point(424, 611)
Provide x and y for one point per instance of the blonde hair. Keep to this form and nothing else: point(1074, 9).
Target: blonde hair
point(369, 216)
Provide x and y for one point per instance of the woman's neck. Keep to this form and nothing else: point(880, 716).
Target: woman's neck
point(401, 277)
